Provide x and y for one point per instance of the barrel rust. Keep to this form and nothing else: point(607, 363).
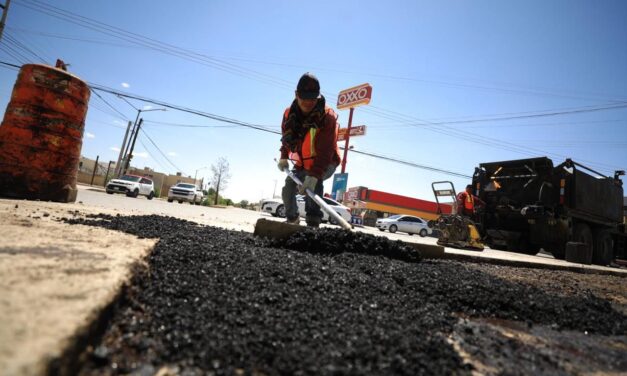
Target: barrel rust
point(41, 135)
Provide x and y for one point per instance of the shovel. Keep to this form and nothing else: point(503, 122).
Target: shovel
point(318, 200)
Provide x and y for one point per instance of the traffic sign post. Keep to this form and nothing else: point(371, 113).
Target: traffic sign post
point(351, 98)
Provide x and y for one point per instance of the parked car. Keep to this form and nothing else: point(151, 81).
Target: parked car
point(275, 207)
point(184, 192)
point(404, 223)
point(132, 186)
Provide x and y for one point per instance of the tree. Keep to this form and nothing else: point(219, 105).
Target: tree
point(220, 177)
point(243, 204)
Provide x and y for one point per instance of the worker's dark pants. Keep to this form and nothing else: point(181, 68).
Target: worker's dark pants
point(312, 210)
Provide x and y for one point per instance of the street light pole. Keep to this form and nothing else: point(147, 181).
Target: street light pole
point(128, 149)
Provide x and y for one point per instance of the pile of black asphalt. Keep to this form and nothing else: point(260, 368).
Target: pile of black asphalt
point(213, 301)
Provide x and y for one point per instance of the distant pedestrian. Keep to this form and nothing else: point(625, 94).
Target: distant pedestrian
point(309, 138)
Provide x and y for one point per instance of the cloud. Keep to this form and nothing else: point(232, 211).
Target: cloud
point(115, 149)
point(125, 85)
point(118, 122)
point(147, 108)
point(172, 154)
point(90, 135)
point(143, 154)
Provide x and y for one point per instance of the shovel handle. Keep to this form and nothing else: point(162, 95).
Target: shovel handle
point(318, 200)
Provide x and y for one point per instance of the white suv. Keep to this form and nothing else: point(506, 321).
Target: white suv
point(132, 186)
point(185, 192)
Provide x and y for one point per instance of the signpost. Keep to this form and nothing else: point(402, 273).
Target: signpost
point(339, 186)
point(351, 98)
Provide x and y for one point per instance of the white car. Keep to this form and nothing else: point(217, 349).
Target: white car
point(275, 207)
point(184, 192)
point(132, 186)
point(404, 223)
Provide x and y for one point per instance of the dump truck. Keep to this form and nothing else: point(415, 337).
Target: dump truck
point(532, 204)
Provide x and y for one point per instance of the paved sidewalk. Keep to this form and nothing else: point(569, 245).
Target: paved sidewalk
point(55, 280)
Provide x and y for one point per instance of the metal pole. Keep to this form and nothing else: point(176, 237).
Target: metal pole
point(104, 184)
point(126, 151)
point(348, 136)
point(5, 11)
point(118, 165)
point(93, 174)
point(130, 152)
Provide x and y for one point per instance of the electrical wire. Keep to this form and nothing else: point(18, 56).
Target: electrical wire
point(231, 68)
point(161, 152)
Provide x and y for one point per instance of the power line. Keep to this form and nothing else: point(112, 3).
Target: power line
point(161, 152)
point(155, 159)
point(108, 104)
point(234, 69)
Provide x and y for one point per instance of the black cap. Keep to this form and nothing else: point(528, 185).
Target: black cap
point(308, 86)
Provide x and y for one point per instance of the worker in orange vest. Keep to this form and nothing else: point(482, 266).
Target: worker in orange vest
point(467, 203)
point(309, 138)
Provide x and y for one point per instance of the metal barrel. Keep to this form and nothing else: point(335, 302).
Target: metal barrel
point(41, 135)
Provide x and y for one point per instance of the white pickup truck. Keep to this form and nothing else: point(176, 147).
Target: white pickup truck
point(185, 192)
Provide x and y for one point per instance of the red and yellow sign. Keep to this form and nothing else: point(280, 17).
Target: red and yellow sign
point(354, 96)
point(359, 130)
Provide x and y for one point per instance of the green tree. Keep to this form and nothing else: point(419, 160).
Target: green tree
point(243, 204)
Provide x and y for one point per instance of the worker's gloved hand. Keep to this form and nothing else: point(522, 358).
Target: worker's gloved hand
point(283, 165)
point(309, 183)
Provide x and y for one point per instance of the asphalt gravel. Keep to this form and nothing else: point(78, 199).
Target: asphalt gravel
point(212, 301)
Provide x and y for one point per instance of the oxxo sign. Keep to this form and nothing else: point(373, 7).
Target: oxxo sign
point(355, 96)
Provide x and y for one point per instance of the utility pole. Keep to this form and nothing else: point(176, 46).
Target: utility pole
point(130, 152)
point(93, 174)
point(5, 11)
point(118, 164)
point(104, 184)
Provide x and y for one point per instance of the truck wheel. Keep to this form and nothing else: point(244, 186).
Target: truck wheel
point(603, 252)
point(151, 195)
point(133, 194)
point(170, 200)
point(393, 229)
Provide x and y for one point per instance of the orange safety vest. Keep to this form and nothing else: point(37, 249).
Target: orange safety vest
point(469, 202)
point(308, 148)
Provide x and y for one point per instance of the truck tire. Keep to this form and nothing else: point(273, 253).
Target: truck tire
point(603, 251)
point(151, 195)
point(133, 194)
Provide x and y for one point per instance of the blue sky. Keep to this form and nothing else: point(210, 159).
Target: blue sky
point(441, 73)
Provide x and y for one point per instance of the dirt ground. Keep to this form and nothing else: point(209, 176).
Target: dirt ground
point(54, 280)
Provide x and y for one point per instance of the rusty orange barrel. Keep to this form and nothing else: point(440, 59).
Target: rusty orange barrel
point(41, 135)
